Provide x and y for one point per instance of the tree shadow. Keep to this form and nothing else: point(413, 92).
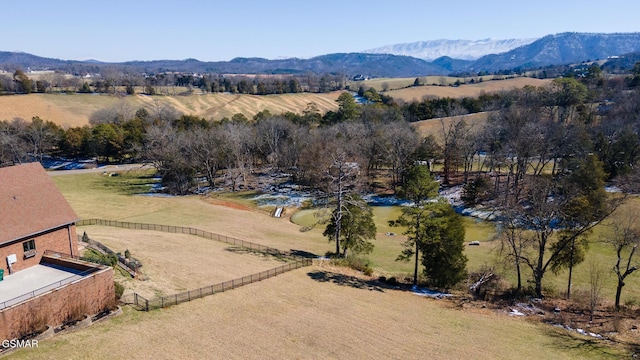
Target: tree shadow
point(303, 254)
point(345, 280)
point(565, 339)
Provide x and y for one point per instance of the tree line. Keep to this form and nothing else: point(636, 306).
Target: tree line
point(114, 81)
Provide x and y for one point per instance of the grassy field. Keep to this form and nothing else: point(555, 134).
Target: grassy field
point(69, 110)
point(434, 126)
point(97, 196)
point(317, 312)
point(174, 263)
point(400, 83)
point(417, 93)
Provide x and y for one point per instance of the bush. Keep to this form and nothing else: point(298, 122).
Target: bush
point(119, 289)
point(355, 262)
point(476, 191)
point(98, 258)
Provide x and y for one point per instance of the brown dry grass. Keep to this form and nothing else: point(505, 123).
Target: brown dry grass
point(434, 126)
point(69, 110)
point(316, 313)
point(174, 263)
point(471, 90)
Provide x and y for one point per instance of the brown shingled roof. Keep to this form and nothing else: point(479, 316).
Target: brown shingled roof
point(30, 202)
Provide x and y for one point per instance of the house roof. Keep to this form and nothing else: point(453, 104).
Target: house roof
point(30, 203)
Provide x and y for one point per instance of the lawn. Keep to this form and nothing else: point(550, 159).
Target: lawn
point(174, 263)
point(301, 314)
point(318, 313)
point(97, 196)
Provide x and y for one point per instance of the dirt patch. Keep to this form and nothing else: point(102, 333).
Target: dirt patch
point(227, 203)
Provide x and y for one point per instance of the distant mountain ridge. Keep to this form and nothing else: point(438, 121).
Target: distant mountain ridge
point(456, 49)
point(551, 50)
point(560, 49)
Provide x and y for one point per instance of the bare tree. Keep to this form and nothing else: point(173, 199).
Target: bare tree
point(342, 177)
point(116, 113)
point(452, 134)
point(596, 284)
point(241, 140)
point(625, 238)
point(514, 243)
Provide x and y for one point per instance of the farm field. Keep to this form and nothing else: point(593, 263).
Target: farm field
point(317, 313)
point(70, 110)
point(434, 126)
point(466, 90)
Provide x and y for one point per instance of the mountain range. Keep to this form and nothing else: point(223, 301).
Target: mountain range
point(456, 49)
point(401, 60)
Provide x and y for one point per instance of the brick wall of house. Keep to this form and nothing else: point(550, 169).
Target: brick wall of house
point(63, 240)
point(91, 295)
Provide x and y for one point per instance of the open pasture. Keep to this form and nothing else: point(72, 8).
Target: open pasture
point(173, 263)
point(416, 93)
point(437, 127)
point(295, 314)
point(97, 196)
point(318, 313)
point(70, 110)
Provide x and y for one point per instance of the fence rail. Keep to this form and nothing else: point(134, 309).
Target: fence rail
point(142, 303)
point(161, 302)
point(189, 231)
point(100, 247)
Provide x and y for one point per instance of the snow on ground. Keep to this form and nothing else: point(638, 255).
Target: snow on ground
point(430, 293)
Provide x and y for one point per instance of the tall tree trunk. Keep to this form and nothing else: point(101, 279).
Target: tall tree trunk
point(618, 293)
point(570, 268)
point(415, 268)
point(519, 288)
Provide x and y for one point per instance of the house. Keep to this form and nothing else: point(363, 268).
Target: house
point(39, 265)
point(34, 216)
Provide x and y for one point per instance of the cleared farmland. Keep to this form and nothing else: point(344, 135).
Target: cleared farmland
point(69, 110)
point(466, 90)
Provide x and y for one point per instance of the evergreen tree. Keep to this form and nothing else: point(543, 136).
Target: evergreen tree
point(357, 226)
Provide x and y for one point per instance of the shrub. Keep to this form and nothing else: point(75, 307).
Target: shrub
point(119, 289)
point(355, 262)
point(98, 258)
point(76, 313)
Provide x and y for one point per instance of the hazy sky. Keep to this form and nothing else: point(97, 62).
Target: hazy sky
point(117, 30)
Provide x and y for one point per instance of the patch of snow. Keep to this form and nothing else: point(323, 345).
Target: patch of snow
point(612, 189)
point(430, 293)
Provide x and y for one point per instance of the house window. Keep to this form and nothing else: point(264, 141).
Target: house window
point(29, 248)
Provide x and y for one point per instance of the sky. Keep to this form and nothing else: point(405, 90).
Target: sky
point(117, 30)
